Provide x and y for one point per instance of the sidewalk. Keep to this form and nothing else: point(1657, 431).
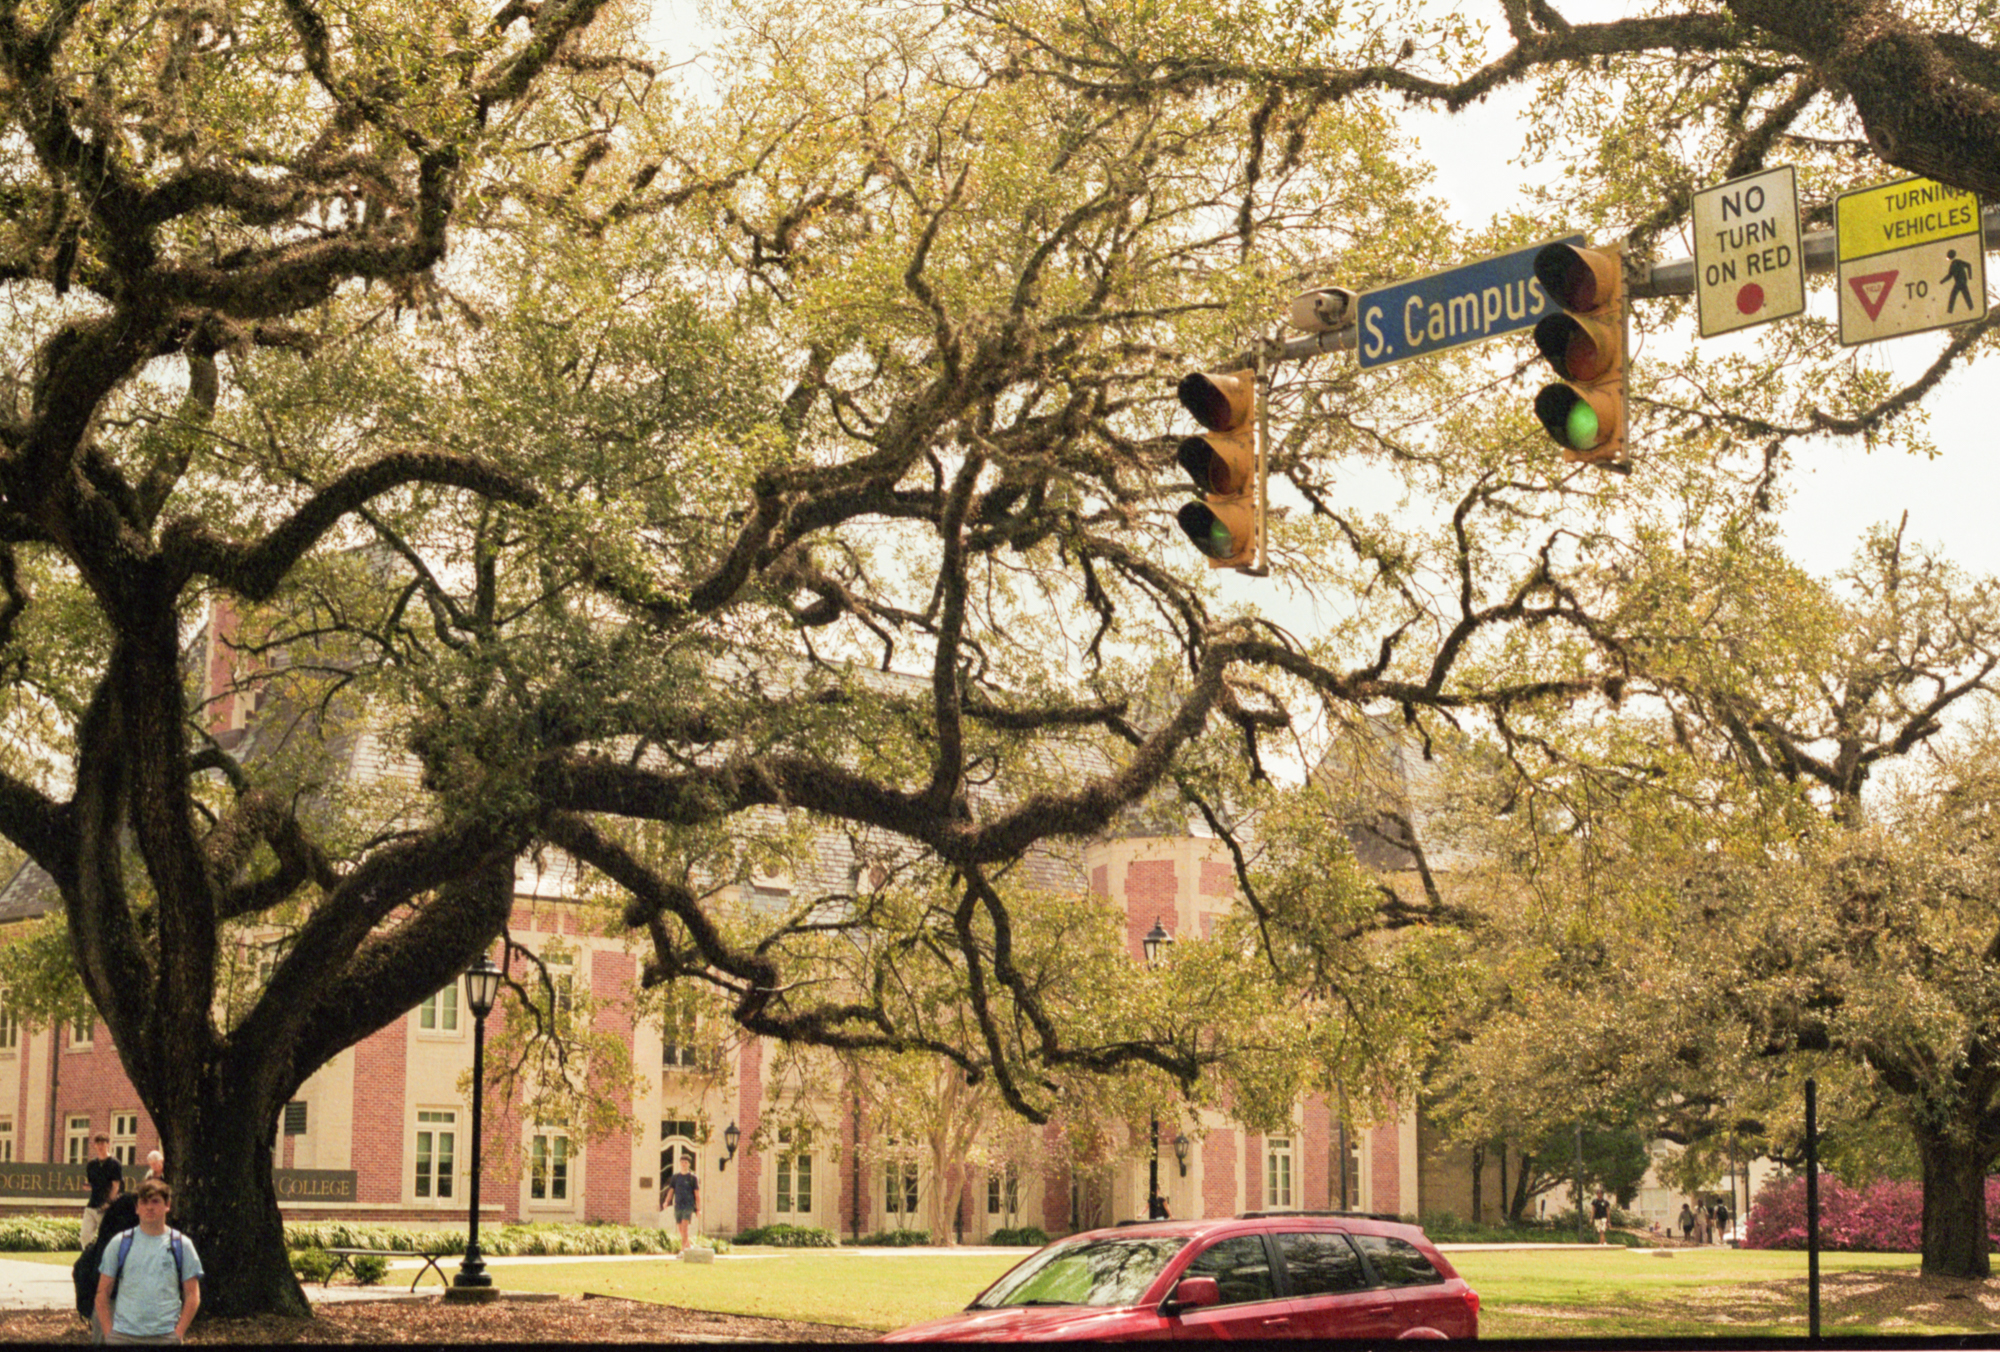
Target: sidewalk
point(47, 1286)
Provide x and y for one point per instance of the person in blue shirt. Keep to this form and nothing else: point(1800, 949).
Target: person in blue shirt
point(149, 1281)
point(685, 1190)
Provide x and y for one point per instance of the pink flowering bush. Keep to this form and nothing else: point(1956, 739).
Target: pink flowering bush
point(1883, 1217)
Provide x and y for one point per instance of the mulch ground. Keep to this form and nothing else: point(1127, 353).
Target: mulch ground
point(588, 1320)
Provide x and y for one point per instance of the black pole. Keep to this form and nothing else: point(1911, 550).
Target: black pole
point(1812, 1211)
point(1153, 1168)
point(472, 1270)
point(1579, 1182)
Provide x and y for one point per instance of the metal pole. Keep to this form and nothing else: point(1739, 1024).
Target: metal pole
point(1579, 1182)
point(1812, 1210)
point(472, 1271)
point(1153, 1168)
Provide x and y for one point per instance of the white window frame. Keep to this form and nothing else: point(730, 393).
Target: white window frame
point(793, 1178)
point(82, 1033)
point(437, 1016)
point(10, 1027)
point(6, 1140)
point(125, 1136)
point(427, 1181)
point(908, 1199)
point(551, 1168)
point(76, 1138)
point(1279, 1171)
point(1003, 1190)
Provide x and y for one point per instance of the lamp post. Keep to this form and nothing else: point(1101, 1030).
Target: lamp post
point(1154, 945)
point(482, 987)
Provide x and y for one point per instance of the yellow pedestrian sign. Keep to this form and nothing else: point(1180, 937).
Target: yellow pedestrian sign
point(1909, 259)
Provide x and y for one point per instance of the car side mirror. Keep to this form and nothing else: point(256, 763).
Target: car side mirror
point(1192, 1293)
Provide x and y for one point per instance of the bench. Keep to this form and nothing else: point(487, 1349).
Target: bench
point(344, 1258)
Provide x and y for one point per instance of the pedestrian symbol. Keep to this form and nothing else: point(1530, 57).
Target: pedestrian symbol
point(1959, 274)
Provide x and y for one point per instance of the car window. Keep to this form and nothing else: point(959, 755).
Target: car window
point(1320, 1263)
point(1087, 1272)
point(1240, 1266)
point(1397, 1261)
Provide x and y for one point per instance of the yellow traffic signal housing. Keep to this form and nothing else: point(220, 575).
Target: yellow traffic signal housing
point(1585, 414)
point(1223, 464)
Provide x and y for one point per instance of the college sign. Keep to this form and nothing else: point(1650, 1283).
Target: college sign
point(67, 1183)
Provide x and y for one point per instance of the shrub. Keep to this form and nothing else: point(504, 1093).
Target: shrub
point(1883, 1217)
point(40, 1234)
point(896, 1239)
point(1031, 1236)
point(502, 1242)
point(370, 1269)
point(782, 1236)
point(312, 1265)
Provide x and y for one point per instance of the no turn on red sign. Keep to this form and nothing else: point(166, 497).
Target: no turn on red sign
point(1749, 267)
point(1909, 259)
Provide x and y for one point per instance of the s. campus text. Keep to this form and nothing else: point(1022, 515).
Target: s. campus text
point(1433, 325)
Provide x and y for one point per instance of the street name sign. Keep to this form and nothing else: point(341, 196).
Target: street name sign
point(1910, 257)
point(1461, 305)
point(1749, 265)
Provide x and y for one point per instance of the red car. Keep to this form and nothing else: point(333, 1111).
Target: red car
point(1260, 1275)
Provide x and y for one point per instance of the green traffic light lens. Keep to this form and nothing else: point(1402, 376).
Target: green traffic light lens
point(1221, 544)
point(1581, 426)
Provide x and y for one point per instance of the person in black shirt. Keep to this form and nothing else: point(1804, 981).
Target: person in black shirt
point(107, 1180)
point(1600, 1214)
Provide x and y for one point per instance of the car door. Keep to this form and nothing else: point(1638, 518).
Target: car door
point(1331, 1293)
point(1418, 1289)
point(1251, 1304)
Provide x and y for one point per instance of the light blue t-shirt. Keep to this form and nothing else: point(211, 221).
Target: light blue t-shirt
point(148, 1303)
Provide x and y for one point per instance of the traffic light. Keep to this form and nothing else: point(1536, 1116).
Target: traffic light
point(1223, 464)
point(1585, 414)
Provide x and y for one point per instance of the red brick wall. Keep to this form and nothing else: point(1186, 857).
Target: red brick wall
point(608, 1176)
point(1315, 1154)
point(1218, 1173)
point(27, 1146)
point(1218, 878)
point(381, 1068)
point(749, 1164)
point(1385, 1173)
point(1150, 894)
point(852, 1158)
point(1055, 1187)
point(1100, 881)
point(94, 1082)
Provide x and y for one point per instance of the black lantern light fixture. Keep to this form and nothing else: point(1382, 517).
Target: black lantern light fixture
point(731, 1138)
point(1181, 1147)
point(1156, 942)
point(482, 988)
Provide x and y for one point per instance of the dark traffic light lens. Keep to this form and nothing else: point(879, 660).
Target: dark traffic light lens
point(1567, 277)
point(1209, 471)
point(1199, 396)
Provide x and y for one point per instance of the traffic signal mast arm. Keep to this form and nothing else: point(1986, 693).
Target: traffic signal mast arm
point(1674, 278)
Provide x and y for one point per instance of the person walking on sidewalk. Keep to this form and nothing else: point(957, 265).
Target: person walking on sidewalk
point(1600, 1215)
point(149, 1285)
point(685, 1189)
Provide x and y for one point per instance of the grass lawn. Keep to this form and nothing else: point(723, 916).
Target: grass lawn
point(874, 1290)
point(1707, 1293)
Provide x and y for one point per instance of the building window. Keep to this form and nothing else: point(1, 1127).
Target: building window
point(437, 1139)
point(295, 1118)
point(10, 1028)
point(795, 1171)
point(548, 1167)
point(1278, 1172)
point(125, 1137)
point(6, 1140)
point(439, 1011)
point(1003, 1191)
point(677, 1030)
point(900, 1187)
point(82, 1031)
point(76, 1140)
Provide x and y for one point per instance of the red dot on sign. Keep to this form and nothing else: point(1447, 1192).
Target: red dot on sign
point(1750, 299)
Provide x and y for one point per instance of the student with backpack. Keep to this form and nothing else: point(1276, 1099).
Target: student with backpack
point(149, 1281)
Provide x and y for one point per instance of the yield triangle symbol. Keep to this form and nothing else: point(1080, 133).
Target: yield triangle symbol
point(1873, 291)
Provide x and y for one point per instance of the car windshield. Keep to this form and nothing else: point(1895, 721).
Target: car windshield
point(1084, 1272)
